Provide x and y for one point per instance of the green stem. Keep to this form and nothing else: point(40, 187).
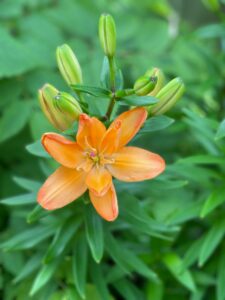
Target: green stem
point(112, 75)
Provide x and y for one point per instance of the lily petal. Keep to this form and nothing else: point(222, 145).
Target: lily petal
point(62, 187)
point(90, 132)
point(98, 180)
point(106, 205)
point(127, 125)
point(64, 151)
point(136, 164)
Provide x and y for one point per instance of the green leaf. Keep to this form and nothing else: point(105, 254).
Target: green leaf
point(26, 240)
point(61, 239)
point(104, 77)
point(220, 131)
point(128, 290)
point(91, 90)
point(31, 265)
point(192, 253)
point(11, 64)
point(127, 259)
point(202, 159)
point(211, 241)
point(45, 274)
point(154, 291)
point(99, 281)
point(94, 233)
point(37, 213)
point(137, 100)
point(174, 265)
point(37, 149)
point(220, 287)
point(25, 199)
point(215, 199)
point(79, 264)
point(155, 124)
point(27, 184)
point(211, 31)
point(13, 122)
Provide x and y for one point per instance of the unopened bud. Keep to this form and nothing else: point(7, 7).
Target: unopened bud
point(168, 96)
point(160, 79)
point(107, 34)
point(61, 109)
point(68, 65)
point(144, 85)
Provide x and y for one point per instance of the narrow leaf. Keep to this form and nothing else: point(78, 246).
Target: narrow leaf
point(216, 198)
point(211, 241)
point(156, 123)
point(37, 149)
point(19, 200)
point(61, 239)
point(91, 90)
point(220, 286)
point(137, 100)
point(174, 265)
point(94, 233)
point(43, 277)
point(79, 264)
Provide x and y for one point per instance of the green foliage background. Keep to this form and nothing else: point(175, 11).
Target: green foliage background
point(168, 242)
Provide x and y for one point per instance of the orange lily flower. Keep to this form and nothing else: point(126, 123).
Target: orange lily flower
point(91, 161)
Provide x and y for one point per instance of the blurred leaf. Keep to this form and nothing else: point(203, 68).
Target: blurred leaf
point(220, 287)
point(61, 239)
point(17, 114)
point(137, 100)
point(192, 253)
point(215, 199)
point(25, 199)
point(128, 290)
point(211, 241)
point(37, 149)
point(31, 265)
point(27, 184)
point(44, 275)
point(79, 264)
point(220, 131)
point(99, 281)
point(26, 240)
point(174, 264)
point(211, 31)
point(155, 124)
point(127, 260)
point(91, 90)
point(94, 233)
point(154, 291)
point(213, 5)
point(11, 64)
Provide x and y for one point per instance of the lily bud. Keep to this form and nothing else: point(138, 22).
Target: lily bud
point(107, 34)
point(68, 65)
point(61, 109)
point(144, 85)
point(160, 79)
point(168, 96)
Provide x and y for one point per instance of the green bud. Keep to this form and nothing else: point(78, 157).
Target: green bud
point(168, 96)
point(68, 65)
point(61, 109)
point(160, 79)
point(107, 34)
point(144, 85)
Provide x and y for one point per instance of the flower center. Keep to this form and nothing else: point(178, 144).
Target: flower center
point(93, 155)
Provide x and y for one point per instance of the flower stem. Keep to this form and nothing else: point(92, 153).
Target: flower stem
point(112, 75)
